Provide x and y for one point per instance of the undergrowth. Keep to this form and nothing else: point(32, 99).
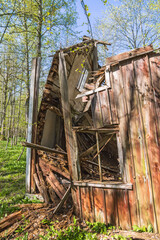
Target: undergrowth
point(12, 178)
point(75, 232)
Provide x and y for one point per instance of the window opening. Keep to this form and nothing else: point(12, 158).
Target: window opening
point(98, 156)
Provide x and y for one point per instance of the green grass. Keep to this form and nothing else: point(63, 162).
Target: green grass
point(12, 177)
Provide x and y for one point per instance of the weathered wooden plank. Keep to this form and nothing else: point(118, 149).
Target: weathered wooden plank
point(99, 205)
point(42, 148)
point(87, 93)
point(112, 98)
point(107, 127)
point(111, 207)
point(41, 188)
point(149, 125)
point(92, 204)
point(144, 184)
point(46, 167)
point(66, 195)
point(86, 204)
point(9, 220)
point(153, 129)
point(96, 111)
point(31, 133)
point(99, 158)
point(124, 216)
point(104, 185)
point(58, 185)
point(76, 197)
point(95, 103)
point(106, 114)
point(43, 185)
point(120, 101)
point(49, 180)
point(34, 126)
point(154, 63)
point(71, 145)
point(128, 55)
point(128, 94)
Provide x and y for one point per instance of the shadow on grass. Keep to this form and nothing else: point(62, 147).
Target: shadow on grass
point(12, 177)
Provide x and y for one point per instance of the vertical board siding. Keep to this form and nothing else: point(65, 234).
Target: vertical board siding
point(99, 206)
point(133, 101)
point(111, 206)
point(128, 95)
point(123, 209)
point(150, 125)
point(154, 137)
point(122, 112)
point(154, 65)
point(96, 111)
point(86, 204)
point(106, 115)
point(143, 168)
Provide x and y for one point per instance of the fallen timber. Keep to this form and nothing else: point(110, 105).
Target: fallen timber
point(43, 148)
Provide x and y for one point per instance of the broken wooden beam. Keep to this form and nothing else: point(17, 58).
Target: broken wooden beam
point(90, 92)
point(43, 148)
point(9, 220)
point(41, 188)
point(110, 128)
point(118, 185)
point(93, 149)
point(43, 185)
point(103, 146)
point(58, 185)
point(104, 167)
point(49, 180)
point(46, 167)
point(66, 195)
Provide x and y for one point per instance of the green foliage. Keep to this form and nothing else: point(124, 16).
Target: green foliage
point(71, 233)
point(25, 237)
point(143, 229)
point(150, 228)
point(75, 232)
point(120, 237)
point(131, 24)
point(6, 209)
point(99, 227)
point(46, 222)
point(104, 1)
point(12, 179)
point(12, 175)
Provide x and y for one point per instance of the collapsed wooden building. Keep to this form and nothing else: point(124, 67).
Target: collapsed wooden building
point(98, 130)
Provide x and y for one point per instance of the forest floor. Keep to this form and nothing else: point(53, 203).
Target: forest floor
point(12, 177)
point(35, 220)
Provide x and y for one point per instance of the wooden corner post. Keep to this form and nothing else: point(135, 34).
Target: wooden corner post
point(71, 143)
point(32, 126)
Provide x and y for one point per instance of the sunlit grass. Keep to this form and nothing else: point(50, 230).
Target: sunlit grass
point(12, 176)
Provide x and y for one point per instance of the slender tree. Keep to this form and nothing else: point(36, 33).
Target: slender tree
point(129, 25)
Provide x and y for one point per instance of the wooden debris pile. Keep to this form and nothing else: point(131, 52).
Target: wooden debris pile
point(34, 219)
point(52, 177)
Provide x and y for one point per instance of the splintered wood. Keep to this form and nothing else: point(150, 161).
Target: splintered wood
point(34, 219)
point(51, 169)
